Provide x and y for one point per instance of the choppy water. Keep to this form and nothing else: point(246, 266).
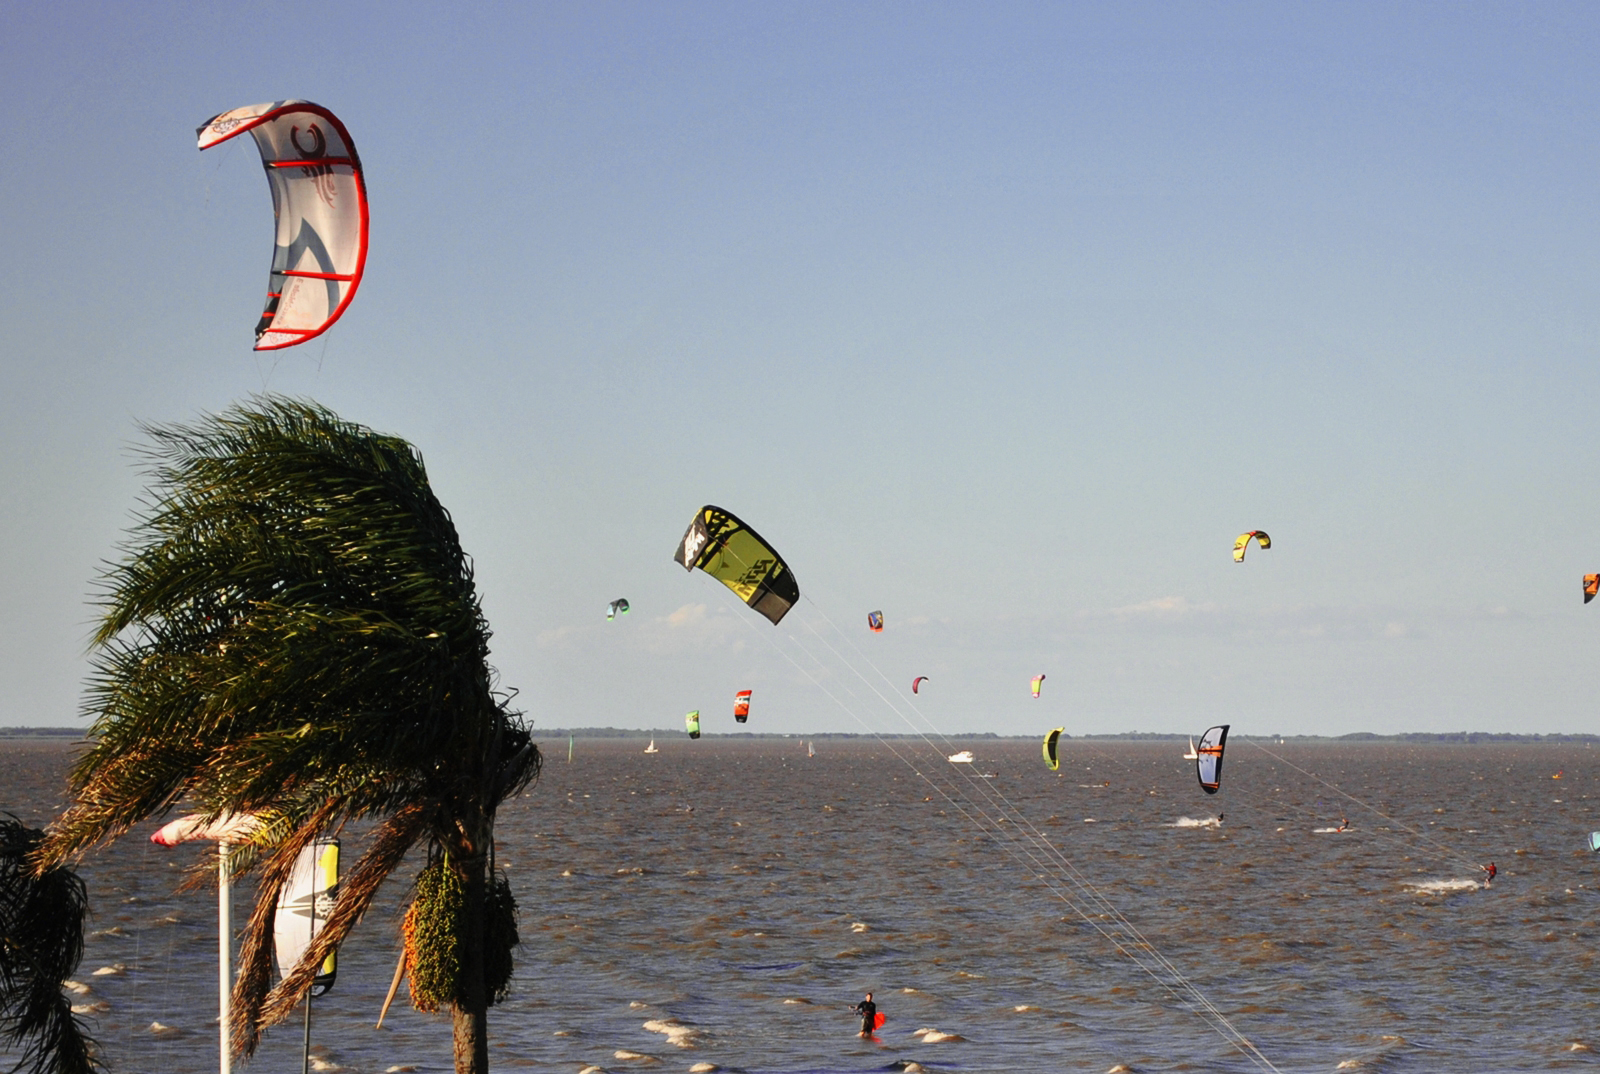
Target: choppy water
point(723, 901)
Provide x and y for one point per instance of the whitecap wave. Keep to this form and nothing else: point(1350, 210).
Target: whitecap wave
point(1441, 887)
point(677, 1034)
point(1195, 822)
point(930, 1035)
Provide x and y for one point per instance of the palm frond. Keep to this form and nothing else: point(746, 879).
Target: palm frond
point(41, 944)
point(390, 843)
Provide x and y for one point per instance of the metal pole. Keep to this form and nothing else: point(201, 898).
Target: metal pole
point(224, 954)
point(305, 1050)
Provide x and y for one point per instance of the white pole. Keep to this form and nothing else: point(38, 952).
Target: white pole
point(224, 952)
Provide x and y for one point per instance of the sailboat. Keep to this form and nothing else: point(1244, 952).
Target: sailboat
point(1191, 755)
point(811, 748)
point(652, 747)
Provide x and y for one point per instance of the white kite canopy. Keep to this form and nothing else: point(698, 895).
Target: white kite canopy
point(303, 908)
point(319, 199)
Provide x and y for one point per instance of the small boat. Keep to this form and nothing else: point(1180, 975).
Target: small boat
point(811, 748)
point(652, 747)
point(964, 757)
point(1191, 755)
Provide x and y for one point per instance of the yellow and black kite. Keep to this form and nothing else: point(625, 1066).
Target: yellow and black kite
point(1052, 754)
point(735, 555)
point(1591, 586)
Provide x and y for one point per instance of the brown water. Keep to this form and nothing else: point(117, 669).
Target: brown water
point(743, 895)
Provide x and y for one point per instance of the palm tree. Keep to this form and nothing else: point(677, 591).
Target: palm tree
point(293, 632)
point(41, 943)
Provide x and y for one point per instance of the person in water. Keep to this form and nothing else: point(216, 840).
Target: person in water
point(868, 1011)
point(1489, 873)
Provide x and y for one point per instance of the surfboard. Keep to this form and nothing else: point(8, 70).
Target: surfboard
point(878, 1020)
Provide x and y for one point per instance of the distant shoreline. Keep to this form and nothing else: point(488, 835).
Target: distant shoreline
point(1462, 737)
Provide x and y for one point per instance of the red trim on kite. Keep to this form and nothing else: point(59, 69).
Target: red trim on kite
point(347, 161)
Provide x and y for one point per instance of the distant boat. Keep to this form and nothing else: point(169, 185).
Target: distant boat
point(964, 757)
point(811, 748)
point(652, 747)
point(1191, 755)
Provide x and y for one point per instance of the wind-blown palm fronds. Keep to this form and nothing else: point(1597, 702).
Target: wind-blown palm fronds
point(41, 943)
point(294, 628)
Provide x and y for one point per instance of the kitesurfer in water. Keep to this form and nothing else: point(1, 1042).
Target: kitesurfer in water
point(1489, 873)
point(868, 1011)
point(1344, 825)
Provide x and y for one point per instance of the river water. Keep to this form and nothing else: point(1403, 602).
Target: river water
point(720, 904)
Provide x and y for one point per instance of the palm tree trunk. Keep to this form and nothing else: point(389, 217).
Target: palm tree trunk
point(469, 1013)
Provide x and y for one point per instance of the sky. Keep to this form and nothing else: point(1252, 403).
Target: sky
point(1003, 319)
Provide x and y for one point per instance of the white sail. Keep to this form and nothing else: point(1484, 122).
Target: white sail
point(303, 908)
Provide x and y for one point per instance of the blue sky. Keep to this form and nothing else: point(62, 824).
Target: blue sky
point(1005, 319)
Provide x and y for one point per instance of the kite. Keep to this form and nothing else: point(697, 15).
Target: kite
point(303, 908)
point(691, 721)
point(875, 622)
point(617, 607)
point(1591, 586)
point(1208, 763)
point(735, 555)
point(918, 681)
point(1038, 680)
point(741, 706)
point(319, 200)
point(1244, 539)
point(1051, 756)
